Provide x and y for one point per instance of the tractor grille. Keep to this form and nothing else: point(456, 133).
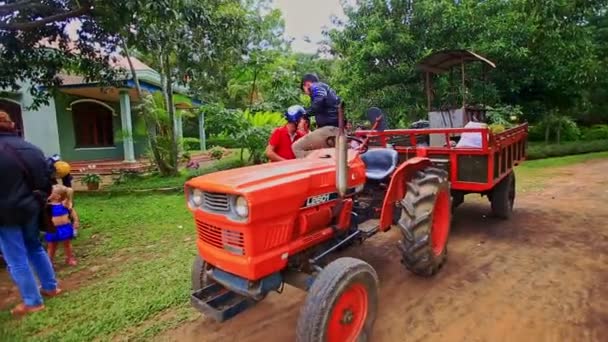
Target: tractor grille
point(216, 202)
point(230, 240)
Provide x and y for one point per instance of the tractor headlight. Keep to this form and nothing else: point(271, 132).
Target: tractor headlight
point(241, 207)
point(197, 198)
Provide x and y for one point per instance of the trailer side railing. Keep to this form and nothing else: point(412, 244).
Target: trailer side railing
point(471, 169)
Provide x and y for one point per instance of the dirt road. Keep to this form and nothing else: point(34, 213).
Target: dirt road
point(542, 276)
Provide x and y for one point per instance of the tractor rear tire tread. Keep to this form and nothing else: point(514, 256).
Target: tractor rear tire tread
point(408, 207)
point(336, 277)
point(413, 189)
point(416, 222)
point(437, 172)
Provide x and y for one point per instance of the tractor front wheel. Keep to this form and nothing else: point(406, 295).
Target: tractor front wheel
point(200, 278)
point(341, 303)
point(503, 197)
point(425, 221)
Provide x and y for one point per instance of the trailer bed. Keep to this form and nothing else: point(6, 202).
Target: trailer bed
point(471, 169)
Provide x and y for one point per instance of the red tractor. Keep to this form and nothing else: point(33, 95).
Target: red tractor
point(263, 226)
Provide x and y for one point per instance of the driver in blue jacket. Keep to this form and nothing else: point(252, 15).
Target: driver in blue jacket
point(324, 105)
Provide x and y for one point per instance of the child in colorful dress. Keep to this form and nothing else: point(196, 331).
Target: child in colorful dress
point(65, 220)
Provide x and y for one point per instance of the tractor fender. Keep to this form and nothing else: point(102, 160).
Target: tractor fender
point(397, 187)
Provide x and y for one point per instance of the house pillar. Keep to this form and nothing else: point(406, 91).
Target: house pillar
point(127, 126)
point(178, 124)
point(201, 131)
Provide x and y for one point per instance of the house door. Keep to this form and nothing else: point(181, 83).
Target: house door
point(14, 111)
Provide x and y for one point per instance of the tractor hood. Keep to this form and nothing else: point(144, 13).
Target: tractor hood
point(276, 191)
point(319, 165)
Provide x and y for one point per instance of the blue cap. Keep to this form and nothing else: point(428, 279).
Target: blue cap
point(295, 113)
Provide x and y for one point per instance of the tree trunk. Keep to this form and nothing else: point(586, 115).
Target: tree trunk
point(171, 110)
point(559, 131)
point(150, 124)
point(255, 78)
point(170, 134)
point(547, 130)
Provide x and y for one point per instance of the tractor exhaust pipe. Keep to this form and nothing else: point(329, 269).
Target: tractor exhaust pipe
point(341, 155)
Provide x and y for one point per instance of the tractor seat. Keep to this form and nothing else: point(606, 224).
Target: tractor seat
point(380, 163)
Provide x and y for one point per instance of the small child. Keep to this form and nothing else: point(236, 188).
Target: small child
point(65, 220)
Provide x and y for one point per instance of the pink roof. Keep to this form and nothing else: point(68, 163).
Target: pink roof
point(71, 79)
point(124, 63)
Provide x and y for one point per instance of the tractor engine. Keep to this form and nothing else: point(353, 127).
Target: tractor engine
point(251, 220)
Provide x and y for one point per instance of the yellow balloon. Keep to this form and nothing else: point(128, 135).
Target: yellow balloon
point(62, 169)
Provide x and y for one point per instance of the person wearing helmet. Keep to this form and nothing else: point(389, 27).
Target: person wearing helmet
point(304, 125)
point(280, 143)
point(324, 105)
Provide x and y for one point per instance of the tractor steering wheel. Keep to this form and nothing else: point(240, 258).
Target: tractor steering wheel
point(361, 145)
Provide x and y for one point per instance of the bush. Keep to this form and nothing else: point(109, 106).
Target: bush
point(540, 151)
point(569, 131)
point(222, 141)
point(247, 130)
point(503, 115)
point(536, 133)
point(216, 153)
point(191, 144)
point(226, 164)
point(255, 140)
point(596, 132)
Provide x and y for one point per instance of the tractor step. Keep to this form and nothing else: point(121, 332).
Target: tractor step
point(368, 227)
point(220, 303)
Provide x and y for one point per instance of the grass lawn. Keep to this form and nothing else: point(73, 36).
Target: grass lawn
point(136, 252)
point(133, 280)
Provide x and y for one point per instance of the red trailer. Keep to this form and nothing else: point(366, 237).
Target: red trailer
point(486, 170)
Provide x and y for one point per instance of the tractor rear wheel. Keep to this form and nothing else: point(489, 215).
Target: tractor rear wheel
point(397, 213)
point(200, 278)
point(425, 221)
point(503, 197)
point(341, 303)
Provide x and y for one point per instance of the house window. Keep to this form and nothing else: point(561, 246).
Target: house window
point(93, 125)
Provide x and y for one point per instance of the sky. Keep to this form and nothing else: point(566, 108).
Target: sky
point(307, 18)
point(303, 18)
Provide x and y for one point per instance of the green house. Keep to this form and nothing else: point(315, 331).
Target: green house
point(87, 123)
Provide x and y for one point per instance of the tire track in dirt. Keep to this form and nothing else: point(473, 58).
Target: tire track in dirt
point(538, 277)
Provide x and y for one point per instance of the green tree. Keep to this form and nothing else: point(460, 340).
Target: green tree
point(545, 51)
point(185, 37)
point(265, 78)
point(36, 48)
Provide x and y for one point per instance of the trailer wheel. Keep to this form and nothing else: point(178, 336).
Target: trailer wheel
point(341, 303)
point(425, 221)
point(503, 197)
point(200, 278)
